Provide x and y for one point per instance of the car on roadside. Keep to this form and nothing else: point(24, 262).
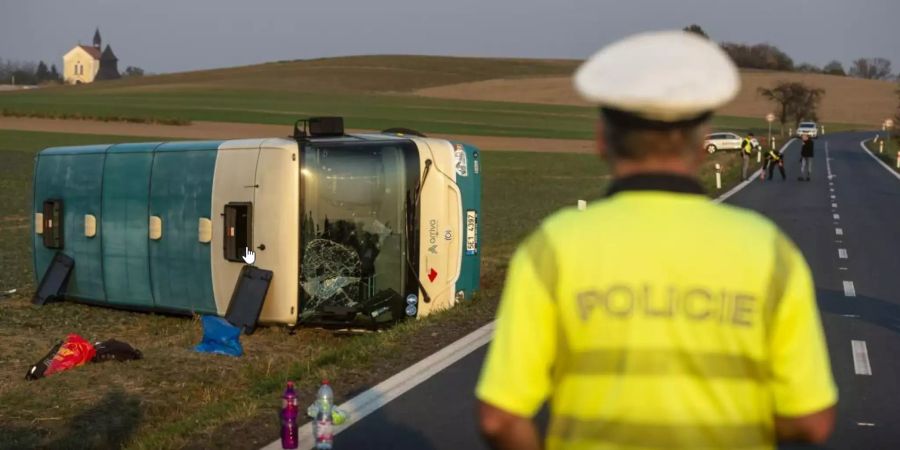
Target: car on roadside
point(810, 129)
point(722, 141)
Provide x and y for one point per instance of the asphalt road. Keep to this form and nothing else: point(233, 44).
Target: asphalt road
point(862, 200)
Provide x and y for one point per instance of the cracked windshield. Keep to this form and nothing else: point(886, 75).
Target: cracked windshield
point(355, 232)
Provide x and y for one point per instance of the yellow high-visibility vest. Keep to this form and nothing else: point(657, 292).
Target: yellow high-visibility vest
point(651, 320)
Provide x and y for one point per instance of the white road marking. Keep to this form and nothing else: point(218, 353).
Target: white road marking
point(842, 268)
point(369, 401)
point(852, 316)
point(834, 205)
point(839, 231)
point(861, 358)
point(837, 217)
point(828, 162)
point(849, 289)
point(833, 197)
point(886, 167)
point(865, 424)
point(842, 253)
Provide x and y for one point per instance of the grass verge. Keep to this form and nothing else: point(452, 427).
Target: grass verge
point(176, 398)
point(887, 151)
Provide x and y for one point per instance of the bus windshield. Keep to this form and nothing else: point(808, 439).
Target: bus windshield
point(359, 229)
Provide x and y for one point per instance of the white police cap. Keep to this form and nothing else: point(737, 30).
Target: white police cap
point(663, 76)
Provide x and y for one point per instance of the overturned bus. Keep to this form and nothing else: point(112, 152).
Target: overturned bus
point(356, 230)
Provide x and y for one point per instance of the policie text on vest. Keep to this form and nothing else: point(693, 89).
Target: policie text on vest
point(697, 304)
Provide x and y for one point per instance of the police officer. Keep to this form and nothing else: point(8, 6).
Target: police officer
point(747, 145)
point(774, 159)
point(807, 152)
point(648, 320)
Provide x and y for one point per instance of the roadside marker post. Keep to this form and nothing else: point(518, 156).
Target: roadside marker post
point(823, 130)
point(898, 160)
point(759, 157)
point(718, 176)
point(880, 146)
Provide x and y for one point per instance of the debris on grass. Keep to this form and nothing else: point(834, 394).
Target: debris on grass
point(220, 337)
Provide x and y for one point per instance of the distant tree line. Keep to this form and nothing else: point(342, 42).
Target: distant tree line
point(30, 73)
point(27, 72)
point(770, 57)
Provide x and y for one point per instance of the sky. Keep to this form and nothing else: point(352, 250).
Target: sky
point(179, 35)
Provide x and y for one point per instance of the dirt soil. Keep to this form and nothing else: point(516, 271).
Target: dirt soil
point(847, 100)
point(228, 130)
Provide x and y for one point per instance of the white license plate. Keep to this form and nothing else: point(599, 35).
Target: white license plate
point(471, 232)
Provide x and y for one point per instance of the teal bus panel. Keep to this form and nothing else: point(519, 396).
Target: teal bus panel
point(126, 212)
point(73, 174)
point(469, 183)
point(181, 194)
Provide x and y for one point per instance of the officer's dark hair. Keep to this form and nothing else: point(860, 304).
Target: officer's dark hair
point(632, 137)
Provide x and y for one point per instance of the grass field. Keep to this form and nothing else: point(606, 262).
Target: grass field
point(361, 111)
point(847, 100)
point(374, 92)
point(177, 398)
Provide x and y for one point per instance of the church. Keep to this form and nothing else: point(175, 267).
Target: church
point(84, 64)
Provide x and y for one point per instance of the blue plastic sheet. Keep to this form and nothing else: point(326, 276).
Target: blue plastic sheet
point(220, 337)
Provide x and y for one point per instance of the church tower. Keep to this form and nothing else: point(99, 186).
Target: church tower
point(97, 40)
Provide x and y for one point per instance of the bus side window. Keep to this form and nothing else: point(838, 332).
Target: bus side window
point(238, 230)
point(53, 224)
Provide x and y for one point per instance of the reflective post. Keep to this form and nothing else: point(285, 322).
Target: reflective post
point(718, 176)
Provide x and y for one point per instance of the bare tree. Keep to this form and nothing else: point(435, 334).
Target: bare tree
point(696, 29)
point(796, 101)
point(871, 68)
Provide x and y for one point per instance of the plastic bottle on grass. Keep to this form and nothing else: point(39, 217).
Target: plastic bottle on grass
point(323, 426)
point(289, 413)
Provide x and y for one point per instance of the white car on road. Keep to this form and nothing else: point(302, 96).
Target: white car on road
point(808, 128)
point(722, 141)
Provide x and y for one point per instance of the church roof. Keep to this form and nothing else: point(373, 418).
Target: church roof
point(108, 54)
point(93, 51)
